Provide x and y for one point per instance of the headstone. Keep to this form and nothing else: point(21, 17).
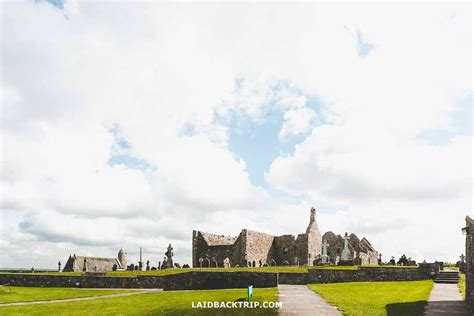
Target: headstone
point(168, 260)
point(226, 263)
point(392, 261)
point(84, 267)
point(59, 266)
point(148, 265)
point(325, 257)
point(379, 261)
point(200, 262)
point(114, 267)
point(346, 257)
point(186, 266)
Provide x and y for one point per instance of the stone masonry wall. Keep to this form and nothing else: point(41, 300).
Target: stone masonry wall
point(470, 263)
point(219, 280)
point(258, 247)
point(38, 280)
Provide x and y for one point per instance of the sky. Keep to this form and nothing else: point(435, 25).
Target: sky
point(130, 124)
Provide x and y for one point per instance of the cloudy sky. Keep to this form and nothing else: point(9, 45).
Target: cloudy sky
point(131, 124)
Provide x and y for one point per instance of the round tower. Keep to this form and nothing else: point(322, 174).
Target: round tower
point(122, 257)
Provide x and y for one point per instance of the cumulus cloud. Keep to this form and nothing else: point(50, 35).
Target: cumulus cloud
point(69, 76)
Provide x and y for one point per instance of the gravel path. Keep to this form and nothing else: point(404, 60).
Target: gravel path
point(300, 300)
point(445, 300)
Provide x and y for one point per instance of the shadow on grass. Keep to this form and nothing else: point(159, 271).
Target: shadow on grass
point(411, 308)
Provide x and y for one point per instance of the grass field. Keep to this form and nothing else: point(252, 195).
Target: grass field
point(377, 298)
point(462, 284)
point(168, 303)
point(28, 294)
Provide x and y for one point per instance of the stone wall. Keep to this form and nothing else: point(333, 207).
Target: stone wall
point(44, 280)
point(258, 247)
point(424, 272)
point(219, 280)
point(470, 262)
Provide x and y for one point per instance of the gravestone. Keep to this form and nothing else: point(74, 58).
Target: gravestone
point(325, 257)
point(346, 257)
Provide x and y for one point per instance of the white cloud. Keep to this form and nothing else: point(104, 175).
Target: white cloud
point(65, 81)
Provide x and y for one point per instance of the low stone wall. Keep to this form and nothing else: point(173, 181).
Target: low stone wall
point(44, 280)
point(423, 272)
point(219, 280)
point(368, 274)
point(292, 278)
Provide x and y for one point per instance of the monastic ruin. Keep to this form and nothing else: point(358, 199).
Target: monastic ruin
point(96, 264)
point(256, 249)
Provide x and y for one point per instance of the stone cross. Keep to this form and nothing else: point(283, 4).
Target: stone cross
point(462, 257)
point(346, 253)
point(200, 262)
point(59, 266)
point(325, 257)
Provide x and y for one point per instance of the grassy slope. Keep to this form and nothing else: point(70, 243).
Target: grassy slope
point(169, 303)
point(377, 298)
point(28, 294)
point(462, 284)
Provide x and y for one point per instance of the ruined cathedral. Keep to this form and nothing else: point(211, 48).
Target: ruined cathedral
point(256, 249)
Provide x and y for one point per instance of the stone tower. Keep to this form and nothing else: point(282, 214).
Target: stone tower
point(122, 257)
point(314, 238)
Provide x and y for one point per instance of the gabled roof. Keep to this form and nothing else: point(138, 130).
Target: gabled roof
point(99, 264)
point(218, 240)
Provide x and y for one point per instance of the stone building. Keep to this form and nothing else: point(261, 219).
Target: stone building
point(96, 264)
point(469, 231)
point(256, 249)
point(361, 250)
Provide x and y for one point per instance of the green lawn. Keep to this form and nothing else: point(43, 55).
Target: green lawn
point(28, 294)
point(377, 298)
point(168, 303)
point(462, 284)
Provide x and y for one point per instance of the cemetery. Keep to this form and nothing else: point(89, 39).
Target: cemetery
point(338, 276)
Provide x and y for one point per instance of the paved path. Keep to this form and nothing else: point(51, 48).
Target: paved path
point(300, 300)
point(446, 300)
point(80, 298)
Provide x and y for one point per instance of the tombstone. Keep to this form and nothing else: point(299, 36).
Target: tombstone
point(177, 265)
point(297, 261)
point(265, 265)
point(168, 263)
point(253, 264)
point(186, 266)
point(163, 263)
point(84, 267)
point(32, 270)
point(259, 263)
point(59, 266)
point(392, 261)
point(346, 257)
point(286, 263)
point(159, 265)
point(237, 265)
point(148, 265)
point(136, 267)
point(379, 261)
point(325, 257)
point(153, 268)
point(214, 262)
point(200, 262)
point(272, 263)
point(226, 263)
point(208, 262)
point(358, 260)
point(114, 267)
point(462, 264)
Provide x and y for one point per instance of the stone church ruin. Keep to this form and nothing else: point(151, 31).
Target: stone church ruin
point(256, 249)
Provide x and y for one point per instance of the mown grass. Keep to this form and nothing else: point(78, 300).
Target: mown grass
point(29, 294)
point(462, 284)
point(377, 298)
point(158, 303)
